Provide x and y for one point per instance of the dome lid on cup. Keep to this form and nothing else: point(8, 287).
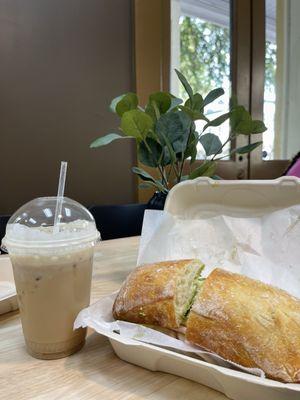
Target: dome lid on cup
point(32, 225)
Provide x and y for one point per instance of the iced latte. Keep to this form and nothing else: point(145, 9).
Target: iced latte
point(53, 280)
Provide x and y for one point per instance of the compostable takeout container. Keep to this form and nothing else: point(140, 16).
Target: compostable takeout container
point(235, 198)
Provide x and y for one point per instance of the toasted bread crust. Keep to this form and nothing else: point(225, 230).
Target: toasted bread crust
point(147, 295)
point(248, 322)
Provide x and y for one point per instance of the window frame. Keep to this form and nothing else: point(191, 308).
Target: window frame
point(258, 167)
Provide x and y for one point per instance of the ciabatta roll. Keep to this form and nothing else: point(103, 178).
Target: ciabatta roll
point(249, 323)
point(158, 294)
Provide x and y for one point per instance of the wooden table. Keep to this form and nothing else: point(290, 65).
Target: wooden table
point(95, 372)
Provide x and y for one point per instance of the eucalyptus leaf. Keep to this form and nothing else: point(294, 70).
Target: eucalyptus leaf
point(242, 123)
point(157, 185)
point(146, 185)
point(211, 144)
point(258, 127)
point(233, 102)
point(217, 121)
point(207, 168)
point(169, 147)
point(149, 154)
point(193, 114)
point(191, 149)
point(165, 158)
point(185, 84)
point(244, 128)
point(104, 140)
point(175, 102)
point(127, 103)
point(148, 178)
point(143, 174)
point(196, 104)
point(240, 120)
point(115, 101)
point(174, 128)
point(162, 100)
point(246, 149)
point(136, 123)
point(212, 96)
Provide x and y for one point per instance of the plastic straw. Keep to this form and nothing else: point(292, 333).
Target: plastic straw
point(60, 195)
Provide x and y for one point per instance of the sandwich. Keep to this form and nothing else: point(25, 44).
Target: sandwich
point(241, 319)
point(248, 322)
point(159, 294)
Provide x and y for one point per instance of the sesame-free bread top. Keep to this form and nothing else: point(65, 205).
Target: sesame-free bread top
point(248, 322)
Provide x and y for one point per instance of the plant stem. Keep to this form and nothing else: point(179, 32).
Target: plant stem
point(165, 182)
point(221, 158)
point(163, 177)
point(181, 169)
point(156, 110)
point(169, 173)
point(176, 170)
point(221, 147)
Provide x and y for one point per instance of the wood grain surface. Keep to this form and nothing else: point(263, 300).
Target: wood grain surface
point(95, 372)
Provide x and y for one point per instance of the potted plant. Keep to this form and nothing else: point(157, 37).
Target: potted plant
point(166, 136)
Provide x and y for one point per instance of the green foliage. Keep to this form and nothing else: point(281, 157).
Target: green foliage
point(204, 54)
point(174, 128)
point(241, 122)
point(136, 123)
point(128, 102)
point(148, 179)
point(213, 95)
point(166, 135)
point(211, 144)
point(159, 103)
point(104, 140)
point(270, 64)
point(247, 149)
point(217, 121)
point(207, 168)
point(186, 85)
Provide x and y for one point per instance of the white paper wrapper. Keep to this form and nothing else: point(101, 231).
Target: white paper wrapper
point(99, 317)
point(266, 248)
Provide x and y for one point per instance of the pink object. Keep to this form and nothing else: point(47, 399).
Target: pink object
point(295, 169)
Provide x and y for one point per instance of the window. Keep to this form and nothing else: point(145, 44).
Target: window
point(200, 40)
point(270, 80)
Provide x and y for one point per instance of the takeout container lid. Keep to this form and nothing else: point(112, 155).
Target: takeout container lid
point(32, 225)
point(235, 197)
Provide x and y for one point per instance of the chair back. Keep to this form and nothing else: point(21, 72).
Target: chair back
point(118, 221)
point(3, 222)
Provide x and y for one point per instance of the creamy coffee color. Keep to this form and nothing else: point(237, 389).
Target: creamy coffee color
point(52, 270)
point(52, 289)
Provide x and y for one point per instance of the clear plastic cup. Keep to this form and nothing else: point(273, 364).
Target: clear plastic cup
point(52, 271)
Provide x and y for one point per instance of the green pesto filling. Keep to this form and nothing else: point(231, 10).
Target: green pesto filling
point(197, 284)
